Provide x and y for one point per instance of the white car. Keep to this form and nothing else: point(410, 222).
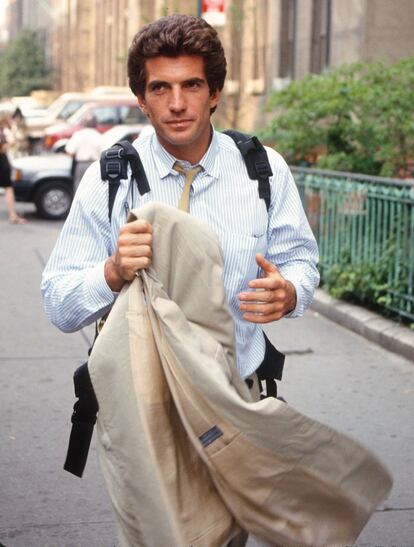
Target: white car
point(46, 180)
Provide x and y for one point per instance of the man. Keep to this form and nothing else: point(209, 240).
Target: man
point(176, 69)
point(85, 147)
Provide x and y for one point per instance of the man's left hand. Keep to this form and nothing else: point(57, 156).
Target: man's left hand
point(272, 296)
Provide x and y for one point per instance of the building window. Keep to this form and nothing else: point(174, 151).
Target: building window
point(287, 39)
point(321, 29)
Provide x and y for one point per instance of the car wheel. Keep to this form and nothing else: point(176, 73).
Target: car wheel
point(53, 200)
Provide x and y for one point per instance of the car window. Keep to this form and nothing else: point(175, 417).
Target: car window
point(70, 108)
point(106, 115)
point(131, 115)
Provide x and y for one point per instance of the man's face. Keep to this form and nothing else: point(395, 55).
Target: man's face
point(177, 101)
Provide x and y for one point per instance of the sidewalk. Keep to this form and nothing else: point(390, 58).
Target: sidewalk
point(388, 334)
point(331, 374)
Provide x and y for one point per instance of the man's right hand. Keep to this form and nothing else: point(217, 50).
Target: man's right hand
point(134, 253)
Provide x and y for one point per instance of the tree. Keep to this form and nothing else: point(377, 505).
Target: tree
point(356, 118)
point(23, 67)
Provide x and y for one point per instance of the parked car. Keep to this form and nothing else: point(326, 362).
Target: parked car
point(46, 180)
point(107, 113)
point(65, 106)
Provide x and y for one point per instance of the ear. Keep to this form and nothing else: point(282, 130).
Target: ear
point(142, 104)
point(215, 98)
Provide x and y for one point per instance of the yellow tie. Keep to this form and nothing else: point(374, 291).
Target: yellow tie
point(190, 175)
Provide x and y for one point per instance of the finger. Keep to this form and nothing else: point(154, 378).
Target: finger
point(265, 265)
point(255, 296)
point(261, 319)
point(262, 308)
point(136, 227)
point(135, 251)
point(275, 281)
point(134, 239)
point(129, 267)
point(263, 296)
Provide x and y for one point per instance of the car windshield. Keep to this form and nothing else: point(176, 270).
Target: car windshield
point(76, 118)
point(64, 106)
point(69, 109)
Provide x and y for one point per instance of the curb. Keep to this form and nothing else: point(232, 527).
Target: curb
point(384, 332)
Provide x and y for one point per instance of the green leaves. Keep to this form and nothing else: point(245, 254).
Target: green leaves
point(356, 118)
point(23, 67)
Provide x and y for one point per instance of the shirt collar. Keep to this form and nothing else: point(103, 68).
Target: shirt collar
point(164, 161)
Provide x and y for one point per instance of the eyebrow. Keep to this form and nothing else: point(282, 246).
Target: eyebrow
point(195, 80)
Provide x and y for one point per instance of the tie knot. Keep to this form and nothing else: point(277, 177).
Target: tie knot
point(191, 172)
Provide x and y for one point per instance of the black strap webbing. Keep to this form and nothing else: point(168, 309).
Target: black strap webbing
point(256, 160)
point(83, 421)
point(114, 168)
point(271, 368)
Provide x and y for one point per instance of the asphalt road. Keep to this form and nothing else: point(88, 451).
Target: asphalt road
point(331, 374)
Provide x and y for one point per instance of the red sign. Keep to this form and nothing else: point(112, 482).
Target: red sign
point(213, 5)
point(213, 11)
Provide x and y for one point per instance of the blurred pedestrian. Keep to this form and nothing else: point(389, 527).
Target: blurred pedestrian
point(5, 179)
point(17, 135)
point(85, 147)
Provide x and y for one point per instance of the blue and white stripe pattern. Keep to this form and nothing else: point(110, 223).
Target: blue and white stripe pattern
point(74, 289)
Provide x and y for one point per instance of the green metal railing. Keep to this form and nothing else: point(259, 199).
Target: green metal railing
point(364, 224)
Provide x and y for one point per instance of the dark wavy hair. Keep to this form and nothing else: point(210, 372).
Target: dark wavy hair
point(173, 36)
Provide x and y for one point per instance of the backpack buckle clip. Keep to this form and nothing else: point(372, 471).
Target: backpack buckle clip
point(113, 169)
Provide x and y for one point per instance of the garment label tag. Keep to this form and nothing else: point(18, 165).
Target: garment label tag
point(210, 436)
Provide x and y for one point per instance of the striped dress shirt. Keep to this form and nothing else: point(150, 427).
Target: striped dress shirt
point(74, 289)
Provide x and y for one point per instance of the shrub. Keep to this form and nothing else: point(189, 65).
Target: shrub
point(356, 118)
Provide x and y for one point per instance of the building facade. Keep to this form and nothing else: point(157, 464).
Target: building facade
point(35, 15)
point(267, 42)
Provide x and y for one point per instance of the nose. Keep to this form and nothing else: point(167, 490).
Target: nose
point(177, 100)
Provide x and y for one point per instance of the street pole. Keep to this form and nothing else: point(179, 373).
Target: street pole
point(199, 7)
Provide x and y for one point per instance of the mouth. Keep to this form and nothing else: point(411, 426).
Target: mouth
point(179, 124)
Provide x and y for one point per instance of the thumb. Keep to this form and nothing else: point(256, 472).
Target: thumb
point(265, 265)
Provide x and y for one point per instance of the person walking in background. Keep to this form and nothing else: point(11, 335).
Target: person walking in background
point(17, 135)
point(5, 179)
point(85, 147)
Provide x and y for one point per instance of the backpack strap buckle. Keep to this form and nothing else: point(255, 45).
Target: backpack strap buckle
point(262, 168)
point(114, 153)
point(113, 169)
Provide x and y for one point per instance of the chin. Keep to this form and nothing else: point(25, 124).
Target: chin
point(180, 138)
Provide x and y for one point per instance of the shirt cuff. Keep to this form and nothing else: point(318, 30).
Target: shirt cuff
point(99, 291)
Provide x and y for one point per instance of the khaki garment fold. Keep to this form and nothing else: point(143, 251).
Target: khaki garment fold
point(188, 457)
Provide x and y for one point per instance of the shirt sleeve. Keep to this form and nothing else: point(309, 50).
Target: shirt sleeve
point(291, 244)
point(74, 290)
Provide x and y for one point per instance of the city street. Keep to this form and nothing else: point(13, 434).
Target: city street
point(331, 374)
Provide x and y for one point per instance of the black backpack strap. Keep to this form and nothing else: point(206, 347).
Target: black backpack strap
point(114, 168)
point(271, 368)
point(83, 420)
point(256, 160)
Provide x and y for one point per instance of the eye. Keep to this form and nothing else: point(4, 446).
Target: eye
point(157, 87)
point(193, 84)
